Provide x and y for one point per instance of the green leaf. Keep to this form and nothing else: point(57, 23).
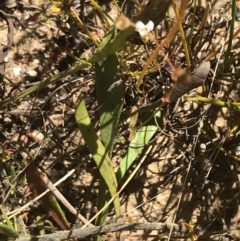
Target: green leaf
point(142, 138)
point(112, 46)
point(110, 103)
point(8, 231)
point(102, 200)
point(97, 150)
point(9, 224)
point(110, 108)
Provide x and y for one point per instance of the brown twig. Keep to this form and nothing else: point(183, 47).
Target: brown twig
point(83, 233)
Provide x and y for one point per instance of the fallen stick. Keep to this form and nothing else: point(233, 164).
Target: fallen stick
point(83, 233)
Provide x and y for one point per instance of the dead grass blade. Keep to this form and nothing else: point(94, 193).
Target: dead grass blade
point(48, 202)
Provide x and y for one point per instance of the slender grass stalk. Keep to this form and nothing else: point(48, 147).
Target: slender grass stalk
point(193, 21)
point(182, 33)
point(102, 13)
point(78, 21)
point(220, 147)
point(231, 34)
point(117, 6)
point(220, 103)
point(202, 25)
point(213, 54)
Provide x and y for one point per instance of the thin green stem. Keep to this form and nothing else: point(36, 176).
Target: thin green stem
point(231, 33)
point(220, 103)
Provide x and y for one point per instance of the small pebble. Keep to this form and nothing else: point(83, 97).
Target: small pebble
point(203, 148)
point(35, 62)
point(16, 71)
point(6, 59)
point(7, 119)
point(237, 150)
point(32, 73)
point(38, 135)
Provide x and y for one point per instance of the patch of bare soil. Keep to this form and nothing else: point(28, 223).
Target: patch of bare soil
point(189, 174)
